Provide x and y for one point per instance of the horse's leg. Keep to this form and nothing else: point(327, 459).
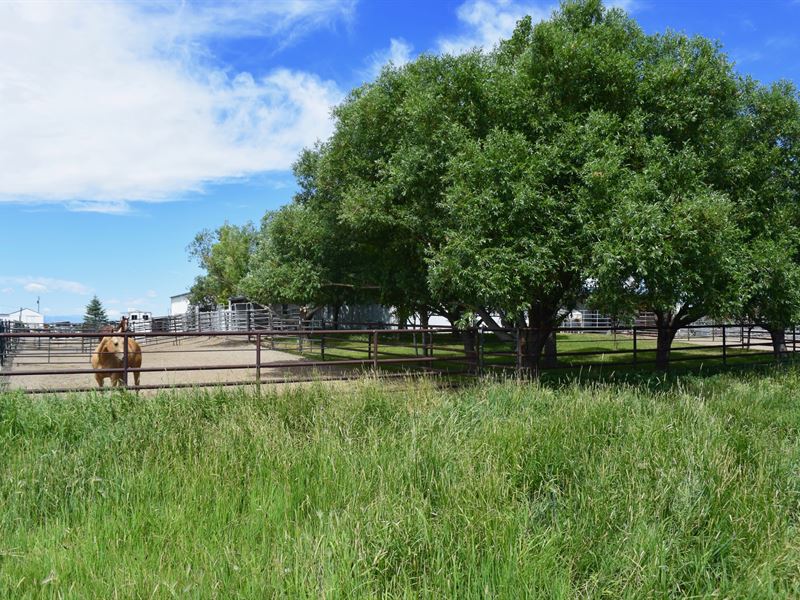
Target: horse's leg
point(98, 377)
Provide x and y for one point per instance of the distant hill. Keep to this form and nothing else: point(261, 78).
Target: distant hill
point(61, 318)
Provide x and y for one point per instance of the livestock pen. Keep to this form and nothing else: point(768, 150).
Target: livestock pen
point(59, 361)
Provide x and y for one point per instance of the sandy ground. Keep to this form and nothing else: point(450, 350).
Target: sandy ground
point(165, 353)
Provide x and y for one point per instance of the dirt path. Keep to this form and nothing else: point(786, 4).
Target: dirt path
point(188, 352)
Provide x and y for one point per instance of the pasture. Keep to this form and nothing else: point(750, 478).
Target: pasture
point(671, 488)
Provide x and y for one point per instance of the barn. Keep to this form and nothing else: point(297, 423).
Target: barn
point(27, 316)
point(179, 304)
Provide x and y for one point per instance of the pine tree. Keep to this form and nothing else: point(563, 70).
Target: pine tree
point(95, 316)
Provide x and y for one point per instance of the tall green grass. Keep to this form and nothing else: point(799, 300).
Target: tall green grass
point(671, 488)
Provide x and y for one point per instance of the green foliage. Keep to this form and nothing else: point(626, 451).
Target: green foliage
point(527, 201)
point(385, 164)
point(288, 262)
point(669, 489)
point(669, 249)
point(582, 159)
point(223, 254)
point(95, 316)
point(764, 177)
point(773, 282)
point(524, 212)
point(305, 255)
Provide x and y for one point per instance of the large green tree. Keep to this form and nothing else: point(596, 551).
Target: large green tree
point(223, 254)
point(306, 255)
point(671, 244)
point(383, 171)
point(763, 175)
point(580, 157)
point(526, 200)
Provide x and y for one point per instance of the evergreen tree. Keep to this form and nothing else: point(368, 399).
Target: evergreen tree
point(95, 316)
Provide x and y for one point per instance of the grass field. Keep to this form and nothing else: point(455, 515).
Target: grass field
point(670, 488)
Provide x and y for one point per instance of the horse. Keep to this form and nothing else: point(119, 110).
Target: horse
point(110, 354)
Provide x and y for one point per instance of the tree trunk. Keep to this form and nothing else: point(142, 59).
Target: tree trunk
point(778, 336)
point(550, 358)
point(336, 314)
point(402, 318)
point(470, 350)
point(424, 319)
point(453, 317)
point(666, 334)
point(307, 314)
point(533, 342)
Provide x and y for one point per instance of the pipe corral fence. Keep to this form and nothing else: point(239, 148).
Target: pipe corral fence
point(53, 360)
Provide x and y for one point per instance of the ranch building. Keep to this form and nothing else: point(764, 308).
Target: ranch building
point(179, 304)
point(24, 315)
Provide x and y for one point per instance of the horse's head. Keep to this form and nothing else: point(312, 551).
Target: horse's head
point(123, 324)
point(115, 345)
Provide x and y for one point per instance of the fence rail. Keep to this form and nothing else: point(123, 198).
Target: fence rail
point(59, 361)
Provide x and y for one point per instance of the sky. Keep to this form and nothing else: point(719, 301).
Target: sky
point(128, 127)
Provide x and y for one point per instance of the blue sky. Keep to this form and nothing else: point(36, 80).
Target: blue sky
point(128, 127)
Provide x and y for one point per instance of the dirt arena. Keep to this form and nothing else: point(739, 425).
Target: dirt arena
point(165, 353)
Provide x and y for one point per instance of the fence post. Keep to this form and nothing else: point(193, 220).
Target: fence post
point(635, 353)
point(125, 358)
point(480, 352)
point(322, 345)
point(794, 340)
point(375, 350)
point(519, 352)
point(258, 360)
point(724, 347)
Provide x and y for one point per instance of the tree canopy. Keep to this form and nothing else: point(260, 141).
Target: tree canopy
point(224, 256)
point(580, 160)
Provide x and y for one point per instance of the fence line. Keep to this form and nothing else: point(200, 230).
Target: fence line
point(59, 360)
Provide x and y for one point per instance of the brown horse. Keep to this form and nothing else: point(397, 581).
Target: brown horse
point(110, 354)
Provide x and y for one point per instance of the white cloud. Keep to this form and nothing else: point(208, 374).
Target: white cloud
point(102, 104)
point(398, 53)
point(47, 284)
point(486, 22)
point(289, 19)
point(7, 290)
point(34, 287)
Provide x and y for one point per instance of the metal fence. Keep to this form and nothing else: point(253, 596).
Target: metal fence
point(59, 361)
point(8, 344)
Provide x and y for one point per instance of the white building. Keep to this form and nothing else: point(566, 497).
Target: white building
point(139, 320)
point(24, 315)
point(179, 305)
